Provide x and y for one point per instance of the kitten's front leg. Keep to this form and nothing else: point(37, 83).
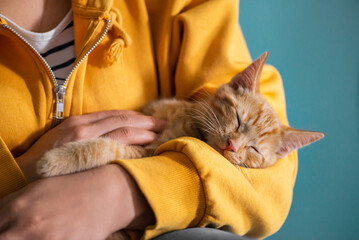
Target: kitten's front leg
point(85, 154)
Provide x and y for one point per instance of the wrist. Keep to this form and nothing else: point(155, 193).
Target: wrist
point(27, 164)
point(130, 201)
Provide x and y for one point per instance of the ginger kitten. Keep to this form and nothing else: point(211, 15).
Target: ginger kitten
point(236, 121)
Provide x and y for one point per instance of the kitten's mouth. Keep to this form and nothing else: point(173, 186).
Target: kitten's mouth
point(231, 157)
point(217, 148)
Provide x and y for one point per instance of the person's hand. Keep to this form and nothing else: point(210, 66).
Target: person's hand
point(126, 126)
point(86, 205)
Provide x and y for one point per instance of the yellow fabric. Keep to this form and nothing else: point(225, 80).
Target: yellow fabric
point(169, 48)
point(10, 175)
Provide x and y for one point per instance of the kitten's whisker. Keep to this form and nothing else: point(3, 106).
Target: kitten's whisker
point(220, 127)
point(209, 131)
point(206, 117)
point(204, 123)
point(209, 109)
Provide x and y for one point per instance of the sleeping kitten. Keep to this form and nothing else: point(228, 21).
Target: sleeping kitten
point(236, 121)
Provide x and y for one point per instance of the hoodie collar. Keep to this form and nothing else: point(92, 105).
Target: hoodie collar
point(103, 9)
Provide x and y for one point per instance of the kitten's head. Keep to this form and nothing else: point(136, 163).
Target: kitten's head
point(242, 126)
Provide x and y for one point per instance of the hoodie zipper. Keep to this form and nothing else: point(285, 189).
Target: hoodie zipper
point(60, 89)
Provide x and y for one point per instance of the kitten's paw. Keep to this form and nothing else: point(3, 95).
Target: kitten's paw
point(85, 154)
point(77, 156)
point(56, 162)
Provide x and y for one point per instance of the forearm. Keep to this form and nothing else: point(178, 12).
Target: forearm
point(103, 200)
point(27, 165)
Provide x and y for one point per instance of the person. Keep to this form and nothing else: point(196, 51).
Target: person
point(126, 53)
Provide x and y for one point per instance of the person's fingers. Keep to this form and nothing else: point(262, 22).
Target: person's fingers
point(132, 136)
point(110, 124)
point(97, 116)
point(84, 127)
point(159, 125)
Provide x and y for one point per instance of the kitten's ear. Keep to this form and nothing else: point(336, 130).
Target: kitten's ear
point(293, 139)
point(249, 78)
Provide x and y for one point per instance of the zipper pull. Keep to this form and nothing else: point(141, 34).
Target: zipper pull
point(60, 91)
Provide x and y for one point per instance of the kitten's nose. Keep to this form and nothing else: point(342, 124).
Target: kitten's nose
point(230, 146)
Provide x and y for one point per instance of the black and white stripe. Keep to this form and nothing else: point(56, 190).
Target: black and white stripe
point(61, 56)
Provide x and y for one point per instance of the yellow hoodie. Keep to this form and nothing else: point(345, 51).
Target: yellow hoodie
point(152, 48)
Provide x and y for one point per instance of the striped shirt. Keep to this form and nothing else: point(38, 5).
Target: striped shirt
point(56, 46)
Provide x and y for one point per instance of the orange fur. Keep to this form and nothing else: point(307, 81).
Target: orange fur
point(236, 121)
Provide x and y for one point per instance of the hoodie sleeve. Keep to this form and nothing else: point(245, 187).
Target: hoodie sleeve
point(11, 177)
point(199, 44)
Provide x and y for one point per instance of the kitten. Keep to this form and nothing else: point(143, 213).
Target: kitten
point(236, 121)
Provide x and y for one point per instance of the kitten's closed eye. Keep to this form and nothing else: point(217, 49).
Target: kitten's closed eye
point(238, 121)
point(254, 148)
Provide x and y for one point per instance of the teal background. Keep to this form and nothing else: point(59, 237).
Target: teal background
point(315, 46)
